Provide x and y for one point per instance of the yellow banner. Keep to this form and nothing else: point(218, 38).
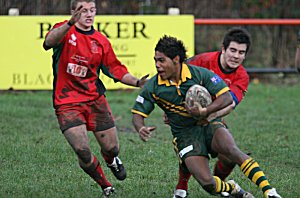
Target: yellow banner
point(25, 65)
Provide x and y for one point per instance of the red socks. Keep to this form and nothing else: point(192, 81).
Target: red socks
point(95, 171)
point(222, 171)
point(183, 179)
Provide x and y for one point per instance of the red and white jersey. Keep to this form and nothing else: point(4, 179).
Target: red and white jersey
point(237, 80)
point(77, 61)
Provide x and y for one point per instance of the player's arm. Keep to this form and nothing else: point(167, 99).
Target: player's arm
point(221, 102)
point(221, 113)
point(238, 90)
point(129, 79)
point(139, 125)
point(237, 93)
point(56, 35)
point(144, 105)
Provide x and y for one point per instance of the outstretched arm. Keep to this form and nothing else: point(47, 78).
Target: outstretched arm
point(139, 125)
point(129, 79)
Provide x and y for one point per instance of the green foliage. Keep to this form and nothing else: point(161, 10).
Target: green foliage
point(36, 161)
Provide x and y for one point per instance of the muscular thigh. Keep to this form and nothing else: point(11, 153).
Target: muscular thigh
point(224, 144)
point(77, 137)
point(199, 168)
point(222, 141)
point(108, 139)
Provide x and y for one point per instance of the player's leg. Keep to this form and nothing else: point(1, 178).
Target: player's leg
point(109, 143)
point(224, 143)
point(78, 139)
point(191, 147)
point(102, 123)
point(223, 167)
point(184, 176)
point(72, 124)
point(183, 179)
point(199, 168)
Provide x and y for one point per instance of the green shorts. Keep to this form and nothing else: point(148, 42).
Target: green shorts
point(196, 141)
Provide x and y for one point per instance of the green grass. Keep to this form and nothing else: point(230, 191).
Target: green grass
point(36, 161)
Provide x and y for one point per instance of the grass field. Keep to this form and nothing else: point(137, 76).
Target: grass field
point(36, 161)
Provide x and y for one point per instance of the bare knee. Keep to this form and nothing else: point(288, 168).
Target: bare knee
point(235, 156)
point(207, 182)
point(113, 152)
point(84, 154)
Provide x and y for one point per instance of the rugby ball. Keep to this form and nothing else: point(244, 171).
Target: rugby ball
point(198, 94)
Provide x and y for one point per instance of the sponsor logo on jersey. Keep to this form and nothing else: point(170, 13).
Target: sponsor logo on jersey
point(79, 59)
point(73, 39)
point(94, 47)
point(77, 70)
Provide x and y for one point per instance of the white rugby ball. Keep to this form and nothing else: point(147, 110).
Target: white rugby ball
point(198, 94)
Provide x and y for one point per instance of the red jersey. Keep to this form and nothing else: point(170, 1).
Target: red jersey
point(77, 61)
point(237, 80)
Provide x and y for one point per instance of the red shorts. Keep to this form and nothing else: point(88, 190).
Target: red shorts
point(96, 115)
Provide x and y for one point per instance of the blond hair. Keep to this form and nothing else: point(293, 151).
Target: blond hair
point(75, 2)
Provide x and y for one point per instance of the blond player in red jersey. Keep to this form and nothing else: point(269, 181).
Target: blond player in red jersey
point(79, 54)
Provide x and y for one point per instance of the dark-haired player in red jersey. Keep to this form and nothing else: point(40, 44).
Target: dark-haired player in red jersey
point(79, 53)
point(227, 64)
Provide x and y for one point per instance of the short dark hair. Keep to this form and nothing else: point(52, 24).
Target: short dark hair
point(75, 2)
point(171, 47)
point(239, 35)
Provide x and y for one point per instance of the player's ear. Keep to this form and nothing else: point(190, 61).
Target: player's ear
point(176, 60)
point(223, 49)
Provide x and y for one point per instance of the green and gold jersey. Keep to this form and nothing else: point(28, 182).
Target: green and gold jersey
point(170, 96)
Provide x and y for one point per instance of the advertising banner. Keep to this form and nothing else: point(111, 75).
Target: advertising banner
point(25, 65)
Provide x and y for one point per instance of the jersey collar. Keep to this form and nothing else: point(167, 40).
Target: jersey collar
point(90, 32)
point(185, 74)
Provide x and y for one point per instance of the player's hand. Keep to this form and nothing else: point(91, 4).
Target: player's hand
point(203, 122)
point(141, 82)
point(195, 109)
point(76, 14)
point(145, 132)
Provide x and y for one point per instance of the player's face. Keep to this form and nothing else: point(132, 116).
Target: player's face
point(234, 55)
point(87, 15)
point(166, 68)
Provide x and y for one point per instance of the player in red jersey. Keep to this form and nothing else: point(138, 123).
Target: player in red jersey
point(227, 64)
point(79, 53)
